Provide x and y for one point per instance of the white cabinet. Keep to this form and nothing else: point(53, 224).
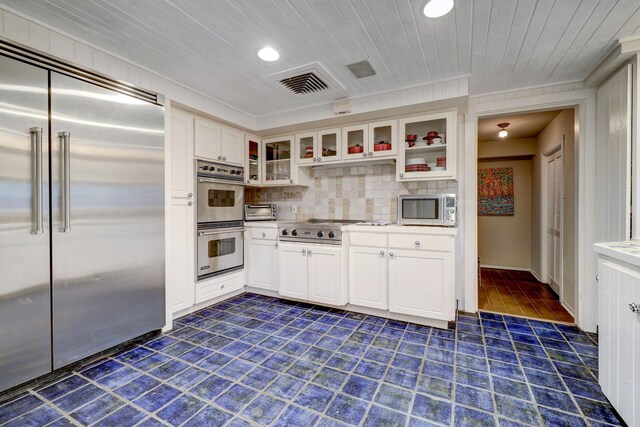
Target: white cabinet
point(214, 141)
point(429, 147)
point(181, 128)
point(420, 283)
point(383, 139)
point(313, 148)
point(405, 270)
point(325, 275)
point(208, 144)
point(218, 286)
point(262, 258)
point(232, 142)
point(355, 142)
point(293, 271)
point(306, 151)
point(368, 276)
point(312, 272)
point(278, 166)
point(181, 282)
point(619, 336)
point(253, 166)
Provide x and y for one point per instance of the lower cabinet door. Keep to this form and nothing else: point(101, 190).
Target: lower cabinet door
point(325, 275)
point(181, 282)
point(619, 337)
point(368, 277)
point(421, 284)
point(263, 264)
point(293, 270)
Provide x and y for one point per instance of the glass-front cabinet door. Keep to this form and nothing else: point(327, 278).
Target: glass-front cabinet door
point(355, 142)
point(252, 168)
point(329, 145)
point(428, 148)
point(278, 160)
point(383, 139)
point(306, 148)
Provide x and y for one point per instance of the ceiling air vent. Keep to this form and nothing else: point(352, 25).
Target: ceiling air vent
point(310, 80)
point(304, 83)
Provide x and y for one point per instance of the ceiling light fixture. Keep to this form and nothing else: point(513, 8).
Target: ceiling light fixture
point(268, 54)
point(503, 131)
point(437, 8)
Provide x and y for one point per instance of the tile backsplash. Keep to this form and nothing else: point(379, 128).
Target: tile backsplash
point(351, 192)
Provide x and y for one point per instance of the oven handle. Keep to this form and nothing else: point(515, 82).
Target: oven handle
point(221, 181)
point(220, 231)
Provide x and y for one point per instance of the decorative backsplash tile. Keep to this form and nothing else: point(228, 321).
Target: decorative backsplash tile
point(351, 192)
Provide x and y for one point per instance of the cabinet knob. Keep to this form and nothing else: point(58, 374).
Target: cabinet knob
point(190, 195)
point(401, 175)
point(224, 158)
point(248, 181)
point(390, 253)
point(309, 252)
point(219, 157)
point(189, 203)
point(417, 242)
point(290, 181)
point(319, 159)
point(276, 245)
point(221, 286)
point(264, 234)
point(315, 160)
point(382, 253)
point(304, 252)
point(370, 153)
point(364, 154)
point(634, 307)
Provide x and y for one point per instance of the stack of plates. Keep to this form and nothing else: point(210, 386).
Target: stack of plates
point(418, 164)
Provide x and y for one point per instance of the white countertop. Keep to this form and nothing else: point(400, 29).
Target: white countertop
point(627, 251)
point(402, 229)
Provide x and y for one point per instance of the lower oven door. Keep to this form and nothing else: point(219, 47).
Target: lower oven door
point(220, 250)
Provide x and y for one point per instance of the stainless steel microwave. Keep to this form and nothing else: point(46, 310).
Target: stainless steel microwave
point(433, 209)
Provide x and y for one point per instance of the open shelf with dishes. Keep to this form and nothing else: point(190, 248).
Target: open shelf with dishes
point(426, 152)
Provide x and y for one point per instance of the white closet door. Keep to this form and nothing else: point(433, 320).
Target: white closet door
point(554, 220)
point(613, 167)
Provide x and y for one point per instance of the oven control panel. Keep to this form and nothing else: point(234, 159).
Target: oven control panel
point(219, 170)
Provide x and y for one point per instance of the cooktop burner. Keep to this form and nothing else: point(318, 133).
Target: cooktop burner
point(323, 231)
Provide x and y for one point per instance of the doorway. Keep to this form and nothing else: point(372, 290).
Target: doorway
point(522, 206)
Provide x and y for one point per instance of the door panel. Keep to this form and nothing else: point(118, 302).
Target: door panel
point(420, 284)
point(368, 277)
point(293, 271)
point(108, 258)
point(232, 146)
point(25, 291)
point(263, 264)
point(325, 268)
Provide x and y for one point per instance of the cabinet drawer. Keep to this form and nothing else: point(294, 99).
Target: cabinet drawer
point(264, 233)
point(218, 286)
point(368, 239)
point(417, 241)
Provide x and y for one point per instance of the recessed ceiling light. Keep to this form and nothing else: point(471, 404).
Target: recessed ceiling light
point(437, 8)
point(268, 54)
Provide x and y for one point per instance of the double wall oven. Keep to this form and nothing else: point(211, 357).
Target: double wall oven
point(220, 210)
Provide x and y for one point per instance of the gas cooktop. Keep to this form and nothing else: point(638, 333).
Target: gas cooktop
point(323, 231)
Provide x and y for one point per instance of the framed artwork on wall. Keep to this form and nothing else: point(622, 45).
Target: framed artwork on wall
point(495, 192)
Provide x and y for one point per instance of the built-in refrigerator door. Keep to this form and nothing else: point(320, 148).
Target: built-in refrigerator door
point(108, 218)
point(25, 291)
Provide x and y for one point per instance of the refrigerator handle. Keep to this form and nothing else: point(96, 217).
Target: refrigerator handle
point(64, 138)
point(36, 149)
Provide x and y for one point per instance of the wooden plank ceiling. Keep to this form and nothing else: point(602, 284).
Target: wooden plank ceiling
point(211, 45)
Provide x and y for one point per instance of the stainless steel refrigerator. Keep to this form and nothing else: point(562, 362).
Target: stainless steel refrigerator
point(81, 217)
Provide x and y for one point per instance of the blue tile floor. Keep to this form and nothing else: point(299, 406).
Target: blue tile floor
point(255, 360)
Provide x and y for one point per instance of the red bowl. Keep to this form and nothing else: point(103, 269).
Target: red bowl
point(356, 149)
point(381, 146)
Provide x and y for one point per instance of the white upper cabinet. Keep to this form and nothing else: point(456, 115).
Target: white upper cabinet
point(383, 139)
point(428, 150)
point(253, 157)
point(355, 142)
point(329, 145)
point(214, 141)
point(232, 141)
point(181, 154)
point(306, 151)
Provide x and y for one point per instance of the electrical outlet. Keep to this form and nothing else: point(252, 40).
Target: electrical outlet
point(294, 209)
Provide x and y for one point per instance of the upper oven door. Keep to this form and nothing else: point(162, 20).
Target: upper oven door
point(219, 201)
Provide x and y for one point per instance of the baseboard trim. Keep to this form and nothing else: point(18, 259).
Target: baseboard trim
point(536, 275)
point(569, 309)
point(503, 267)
